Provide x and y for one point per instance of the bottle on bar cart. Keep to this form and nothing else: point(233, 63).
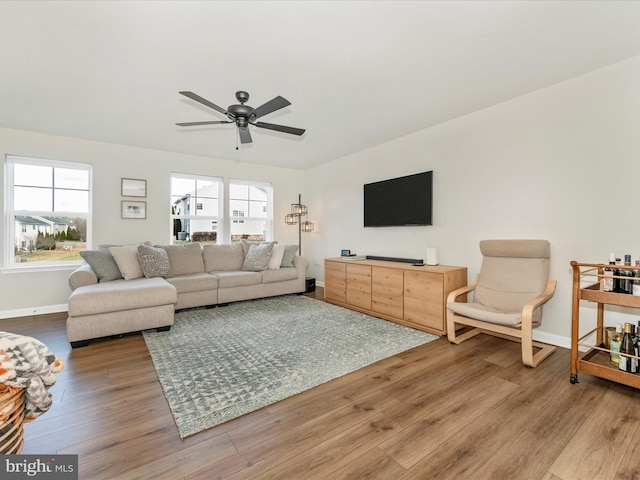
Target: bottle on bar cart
point(627, 364)
point(614, 356)
point(607, 281)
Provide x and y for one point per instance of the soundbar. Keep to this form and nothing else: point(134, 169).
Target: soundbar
point(394, 259)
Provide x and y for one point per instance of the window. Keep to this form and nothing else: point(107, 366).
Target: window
point(251, 210)
point(196, 208)
point(48, 211)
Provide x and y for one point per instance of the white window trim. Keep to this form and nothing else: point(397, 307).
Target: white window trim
point(8, 265)
point(268, 219)
point(221, 192)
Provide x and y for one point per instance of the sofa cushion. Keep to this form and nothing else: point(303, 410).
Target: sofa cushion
point(287, 259)
point(120, 295)
point(102, 263)
point(127, 259)
point(196, 282)
point(185, 259)
point(237, 279)
point(222, 257)
point(276, 257)
point(154, 261)
point(257, 258)
point(282, 274)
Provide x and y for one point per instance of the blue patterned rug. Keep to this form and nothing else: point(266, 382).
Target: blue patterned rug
point(218, 364)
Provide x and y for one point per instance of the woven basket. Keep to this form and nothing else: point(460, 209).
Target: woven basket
point(12, 413)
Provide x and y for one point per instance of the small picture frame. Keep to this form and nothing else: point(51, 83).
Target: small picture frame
point(133, 187)
point(135, 210)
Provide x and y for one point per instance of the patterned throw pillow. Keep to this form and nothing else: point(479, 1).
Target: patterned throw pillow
point(257, 258)
point(154, 261)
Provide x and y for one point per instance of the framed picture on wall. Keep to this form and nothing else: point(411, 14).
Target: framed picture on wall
point(136, 210)
point(132, 187)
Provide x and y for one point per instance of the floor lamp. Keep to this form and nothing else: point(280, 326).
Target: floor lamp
point(298, 211)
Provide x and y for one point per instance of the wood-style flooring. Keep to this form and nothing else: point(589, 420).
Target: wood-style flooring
point(439, 411)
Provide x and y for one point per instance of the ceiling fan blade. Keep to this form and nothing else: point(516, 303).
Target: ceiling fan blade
point(190, 124)
point(280, 128)
point(245, 135)
point(271, 106)
point(203, 101)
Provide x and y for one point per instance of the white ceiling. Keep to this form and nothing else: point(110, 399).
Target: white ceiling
point(358, 73)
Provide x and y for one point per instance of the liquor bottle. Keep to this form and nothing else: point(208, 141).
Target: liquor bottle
point(636, 283)
point(636, 346)
point(626, 283)
point(616, 273)
point(616, 341)
point(626, 364)
point(635, 365)
point(607, 281)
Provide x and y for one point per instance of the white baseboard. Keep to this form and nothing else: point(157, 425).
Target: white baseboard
point(552, 339)
point(27, 312)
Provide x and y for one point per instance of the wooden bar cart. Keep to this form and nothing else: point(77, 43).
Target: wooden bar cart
point(587, 285)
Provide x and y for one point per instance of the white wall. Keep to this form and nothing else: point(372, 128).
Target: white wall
point(561, 164)
point(42, 292)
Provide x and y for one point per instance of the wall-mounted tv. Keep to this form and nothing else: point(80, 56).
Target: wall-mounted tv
point(402, 201)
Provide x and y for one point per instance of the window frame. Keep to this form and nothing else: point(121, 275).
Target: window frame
point(219, 219)
point(9, 263)
point(246, 218)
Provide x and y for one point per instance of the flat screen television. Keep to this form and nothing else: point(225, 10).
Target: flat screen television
point(399, 202)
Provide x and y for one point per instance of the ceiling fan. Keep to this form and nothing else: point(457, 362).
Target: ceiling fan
point(244, 115)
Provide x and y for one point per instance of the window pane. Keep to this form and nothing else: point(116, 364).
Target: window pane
point(238, 191)
point(70, 178)
point(49, 239)
point(249, 230)
point(258, 193)
point(181, 186)
point(238, 205)
point(33, 175)
point(33, 198)
point(257, 209)
point(207, 188)
point(71, 201)
point(207, 206)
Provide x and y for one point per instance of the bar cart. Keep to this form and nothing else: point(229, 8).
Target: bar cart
point(587, 285)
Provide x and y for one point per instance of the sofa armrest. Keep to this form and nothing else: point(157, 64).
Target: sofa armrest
point(82, 276)
point(302, 264)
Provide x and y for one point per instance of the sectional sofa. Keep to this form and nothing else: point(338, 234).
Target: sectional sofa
point(121, 289)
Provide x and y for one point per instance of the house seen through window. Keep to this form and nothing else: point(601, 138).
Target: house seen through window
point(48, 210)
point(250, 208)
point(196, 208)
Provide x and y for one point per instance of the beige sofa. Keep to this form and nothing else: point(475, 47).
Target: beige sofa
point(159, 280)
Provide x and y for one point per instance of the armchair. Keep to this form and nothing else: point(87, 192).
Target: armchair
point(508, 295)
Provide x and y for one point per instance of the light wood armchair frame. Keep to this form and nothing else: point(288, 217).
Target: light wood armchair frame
point(521, 332)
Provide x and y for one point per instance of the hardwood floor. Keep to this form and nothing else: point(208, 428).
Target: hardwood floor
point(470, 411)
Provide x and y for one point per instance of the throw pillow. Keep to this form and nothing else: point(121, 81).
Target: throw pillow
point(247, 243)
point(154, 261)
point(127, 259)
point(289, 252)
point(102, 263)
point(276, 257)
point(257, 258)
point(185, 259)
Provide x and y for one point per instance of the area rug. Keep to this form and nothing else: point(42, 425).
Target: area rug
point(218, 364)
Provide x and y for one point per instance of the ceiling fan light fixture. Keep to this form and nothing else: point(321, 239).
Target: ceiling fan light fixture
point(244, 115)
